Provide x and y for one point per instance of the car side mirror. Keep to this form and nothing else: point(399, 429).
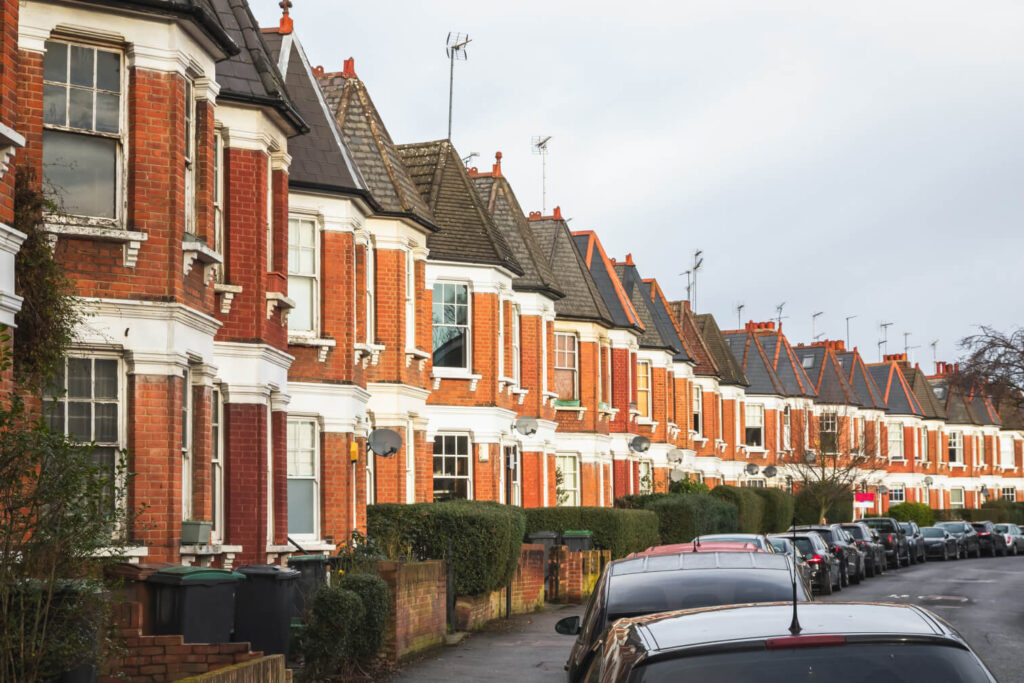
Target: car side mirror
point(570, 626)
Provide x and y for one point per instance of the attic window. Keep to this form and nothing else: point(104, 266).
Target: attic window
point(807, 361)
point(939, 392)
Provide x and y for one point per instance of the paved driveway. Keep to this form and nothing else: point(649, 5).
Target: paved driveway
point(524, 649)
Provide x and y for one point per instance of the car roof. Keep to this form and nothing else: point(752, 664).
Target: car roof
point(689, 628)
point(692, 561)
point(704, 547)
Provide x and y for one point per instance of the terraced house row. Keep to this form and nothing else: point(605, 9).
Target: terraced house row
point(270, 278)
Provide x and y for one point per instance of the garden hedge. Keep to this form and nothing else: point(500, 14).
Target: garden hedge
point(328, 641)
point(620, 531)
point(749, 504)
point(485, 538)
point(994, 514)
point(373, 592)
point(683, 516)
point(1014, 511)
point(778, 508)
point(913, 512)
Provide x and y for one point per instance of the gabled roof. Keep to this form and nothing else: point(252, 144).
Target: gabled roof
point(756, 365)
point(958, 411)
point(932, 407)
point(501, 203)
point(582, 300)
point(602, 269)
point(785, 363)
point(859, 378)
point(686, 324)
point(666, 323)
point(731, 369)
point(983, 409)
point(373, 151)
point(320, 159)
point(252, 76)
point(898, 396)
point(467, 232)
point(653, 336)
point(820, 363)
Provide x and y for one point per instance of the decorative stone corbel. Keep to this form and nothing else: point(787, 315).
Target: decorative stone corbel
point(227, 294)
point(277, 300)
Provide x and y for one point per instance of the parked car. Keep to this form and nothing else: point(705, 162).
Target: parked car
point(915, 541)
point(784, 545)
point(825, 574)
point(839, 643)
point(634, 587)
point(1014, 537)
point(992, 541)
point(940, 543)
point(867, 540)
point(897, 550)
point(965, 535)
point(757, 539)
point(851, 559)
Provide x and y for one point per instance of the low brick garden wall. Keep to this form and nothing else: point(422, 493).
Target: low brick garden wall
point(418, 596)
point(472, 612)
point(576, 573)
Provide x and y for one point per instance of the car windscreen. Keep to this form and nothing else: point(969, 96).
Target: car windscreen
point(1003, 528)
point(779, 545)
point(826, 535)
point(805, 546)
point(980, 527)
point(851, 663)
point(650, 592)
point(725, 538)
point(857, 532)
point(932, 533)
point(958, 527)
point(906, 527)
point(880, 524)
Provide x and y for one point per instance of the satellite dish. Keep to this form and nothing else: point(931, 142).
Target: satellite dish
point(639, 444)
point(752, 469)
point(882, 490)
point(384, 442)
point(526, 425)
point(677, 475)
point(928, 481)
point(770, 471)
point(676, 455)
point(810, 457)
point(983, 490)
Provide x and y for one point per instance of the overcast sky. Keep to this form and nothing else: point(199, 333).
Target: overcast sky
point(852, 158)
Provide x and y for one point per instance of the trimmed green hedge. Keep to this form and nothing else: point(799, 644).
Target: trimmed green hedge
point(485, 538)
point(778, 508)
point(620, 531)
point(330, 639)
point(683, 516)
point(749, 504)
point(913, 512)
point(1014, 511)
point(373, 592)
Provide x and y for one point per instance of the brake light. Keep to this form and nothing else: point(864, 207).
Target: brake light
point(803, 641)
point(817, 559)
point(983, 533)
point(889, 538)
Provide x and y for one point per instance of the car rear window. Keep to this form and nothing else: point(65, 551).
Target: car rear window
point(649, 592)
point(980, 527)
point(805, 546)
point(835, 664)
point(856, 532)
point(932, 533)
point(882, 524)
point(955, 526)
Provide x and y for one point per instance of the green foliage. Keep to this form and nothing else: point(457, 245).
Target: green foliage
point(637, 501)
point(1014, 511)
point(687, 486)
point(373, 592)
point(749, 504)
point(331, 638)
point(48, 316)
point(913, 512)
point(620, 531)
point(683, 516)
point(823, 499)
point(485, 538)
point(778, 508)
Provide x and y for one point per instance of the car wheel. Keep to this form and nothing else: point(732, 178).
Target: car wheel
point(977, 551)
point(844, 577)
point(945, 553)
point(858, 576)
point(1015, 550)
point(826, 587)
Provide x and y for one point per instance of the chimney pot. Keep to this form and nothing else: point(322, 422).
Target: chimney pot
point(349, 70)
point(558, 213)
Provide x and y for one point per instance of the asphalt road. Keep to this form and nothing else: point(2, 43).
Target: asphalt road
point(982, 598)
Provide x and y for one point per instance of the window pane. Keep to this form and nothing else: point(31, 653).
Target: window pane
point(80, 421)
point(461, 315)
point(79, 378)
point(82, 65)
point(108, 71)
point(53, 412)
point(105, 381)
point(108, 108)
point(55, 104)
point(449, 347)
point(301, 290)
point(106, 422)
point(55, 62)
point(300, 506)
point(82, 171)
point(460, 294)
point(80, 108)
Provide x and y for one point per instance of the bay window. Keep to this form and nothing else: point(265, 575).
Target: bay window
point(956, 447)
point(452, 475)
point(829, 432)
point(646, 468)
point(1006, 459)
point(981, 451)
point(218, 199)
point(956, 498)
point(754, 435)
point(698, 409)
point(216, 467)
point(410, 301)
point(517, 351)
point(643, 388)
point(566, 366)
point(303, 276)
point(924, 444)
point(303, 478)
point(895, 441)
point(451, 325)
point(1009, 493)
point(567, 467)
point(897, 494)
point(191, 162)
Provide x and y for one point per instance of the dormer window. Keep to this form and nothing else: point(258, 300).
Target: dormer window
point(807, 361)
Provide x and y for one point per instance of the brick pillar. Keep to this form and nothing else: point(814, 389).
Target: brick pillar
point(279, 436)
point(620, 478)
point(245, 485)
point(533, 479)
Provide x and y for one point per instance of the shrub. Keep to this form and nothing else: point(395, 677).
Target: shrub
point(622, 531)
point(373, 592)
point(638, 501)
point(1014, 511)
point(328, 643)
point(749, 504)
point(778, 508)
point(913, 512)
point(687, 486)
point(485, 538)
point(683, 516)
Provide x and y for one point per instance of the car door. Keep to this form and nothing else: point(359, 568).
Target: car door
point(591, 629)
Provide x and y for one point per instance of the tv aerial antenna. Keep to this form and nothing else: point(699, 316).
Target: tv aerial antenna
point(698, 261)
point(689, 285)
point(885, 338)
point(469, 157)
point(778, 315)
point(455, 49)
point(814, 320)
point(935, 349)
point(540, 146)
point(739, 315)
point(848, 319)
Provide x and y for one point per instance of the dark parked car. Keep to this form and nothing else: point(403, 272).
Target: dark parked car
point(992, 541)
point(826, 575)
point(915, 541)
point(940, 543)
point(897, 550)
point(839, 643)
point(1014, 537)
point(662, 583)
point(785, 546)
point(965, 535)
point(867, 540)
point(851, 559)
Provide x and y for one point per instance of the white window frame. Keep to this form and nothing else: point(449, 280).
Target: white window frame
point(645, 375)
point(468, 326)
point(954, 504)
point(1006, 455)
point(956, 446)
point(314, 277)
point(697, 410)
point(862, 435)
point(191, 157)
point(646, 469)
point(573, 490)
point(501, 337)
point(753, 418)
point(187, 416)
point(517, 342)
point(410, 300)
point(218, 199)
point(216, 466)
point(923, 455)
point(1008, 493)
point(980, 457)
point(894, 436)
point(755, 483)
point(897, 494)
point(305, 421)
point(512, 452)
point(468, 456)
point(720, 427)
point(370, 250)
point(575, 368)
point(828, 423)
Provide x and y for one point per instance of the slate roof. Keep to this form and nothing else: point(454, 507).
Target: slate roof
point(732, 371)
point(982, 408)
point(958, 411)
point(860, 379)
point(200, 11)
point(652, 336)
point(666, 323)
point(822, 366)
point(932, 407)
point(898, 396)
point(467, 232)
point(251, 76)
point(501, 203)
point(582, 299)
point(602, 270)
point(374, 152)
point(751, 356)
point(686, 323)
point(320, 159)
point(786, 365)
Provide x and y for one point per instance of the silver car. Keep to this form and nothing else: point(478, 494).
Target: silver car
point(1014, 537)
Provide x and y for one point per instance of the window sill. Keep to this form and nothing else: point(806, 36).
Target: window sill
point(647, 422)
point(227, 294)
point(321, 344)
point(900, 460)
point(957, 465)
point(194, 250)
point(189, 553)
point(570, 407)
point(416, 355)
point(548, 397)
point(279, 301)
point(368, 354)
point(455, 373)
point(132, 553)
point(760, 450)
point(99, 230)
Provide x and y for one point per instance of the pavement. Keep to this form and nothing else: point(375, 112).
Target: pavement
point(981, 598)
